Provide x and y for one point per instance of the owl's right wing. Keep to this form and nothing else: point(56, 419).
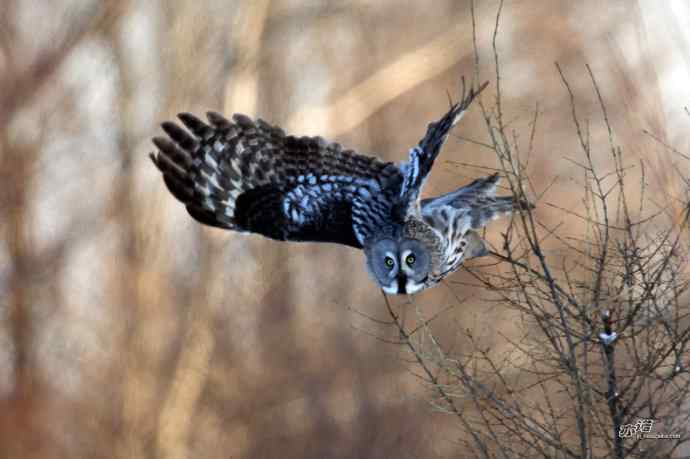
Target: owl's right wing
point(247, 175)
point(422, 157)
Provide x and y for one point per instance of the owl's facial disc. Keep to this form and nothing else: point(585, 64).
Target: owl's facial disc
point(400, 266)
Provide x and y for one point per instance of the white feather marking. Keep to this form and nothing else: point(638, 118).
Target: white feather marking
point(413, 287)
point(210, 161)
point(414, 162)
point(327, 187)
point(212, 178)
point(374, 185)
point(304, 202)
point(363, 192)
point(203, 189)
point(410, 170)
point(391, 289)
point(358, 234)
point(218, 146)
point(235, 164)
point(312, 180)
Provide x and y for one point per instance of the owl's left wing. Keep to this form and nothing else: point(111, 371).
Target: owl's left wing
point(459, 214)
point(247, 175)
point(472, 206)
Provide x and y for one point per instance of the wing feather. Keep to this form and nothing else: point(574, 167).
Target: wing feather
point(422, 156)
point(473, 205)
point(248, 175)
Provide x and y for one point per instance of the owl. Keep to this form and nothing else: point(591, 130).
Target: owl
point(249, 176)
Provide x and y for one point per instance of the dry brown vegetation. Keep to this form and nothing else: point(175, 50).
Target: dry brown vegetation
point(130, 331)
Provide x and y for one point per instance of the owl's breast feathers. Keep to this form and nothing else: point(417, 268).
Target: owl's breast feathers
point(247, 175)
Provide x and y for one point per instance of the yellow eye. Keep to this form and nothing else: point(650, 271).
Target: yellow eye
point(410, 260)
point(389, 262)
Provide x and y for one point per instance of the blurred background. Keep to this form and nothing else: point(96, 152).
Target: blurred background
point(128, 330)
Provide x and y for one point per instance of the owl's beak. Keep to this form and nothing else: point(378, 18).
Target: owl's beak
point(402, 284)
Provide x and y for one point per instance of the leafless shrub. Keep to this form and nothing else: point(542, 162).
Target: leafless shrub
point(604, 316)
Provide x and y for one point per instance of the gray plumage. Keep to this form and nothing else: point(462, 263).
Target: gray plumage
point(249, 176)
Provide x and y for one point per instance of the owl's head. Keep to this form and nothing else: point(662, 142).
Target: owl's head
point(399, 266)
point(401, 263)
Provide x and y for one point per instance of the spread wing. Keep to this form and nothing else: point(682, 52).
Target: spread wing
point(459, 214)
point(247, 175)
point(472, 206)
point(423, 155)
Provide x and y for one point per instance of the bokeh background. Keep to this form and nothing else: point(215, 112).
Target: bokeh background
point(128, 330)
